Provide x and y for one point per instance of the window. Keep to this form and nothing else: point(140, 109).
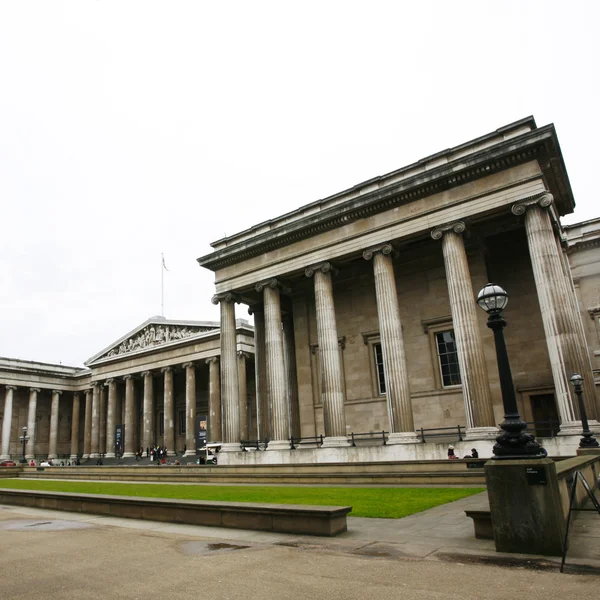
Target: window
point(181, 422)
point(374, 354)
point(379, 370)
point(447, 357)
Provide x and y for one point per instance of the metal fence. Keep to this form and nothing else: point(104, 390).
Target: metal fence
point(455, 433)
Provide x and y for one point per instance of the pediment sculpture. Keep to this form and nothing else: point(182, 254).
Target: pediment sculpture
point(155, 335)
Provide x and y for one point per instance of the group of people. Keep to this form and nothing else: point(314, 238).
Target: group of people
point(157, 454)
point(452, 456)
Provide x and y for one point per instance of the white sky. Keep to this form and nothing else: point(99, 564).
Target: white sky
point(128, 129)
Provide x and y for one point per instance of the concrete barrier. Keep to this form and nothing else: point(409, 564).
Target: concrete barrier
point(282, 518)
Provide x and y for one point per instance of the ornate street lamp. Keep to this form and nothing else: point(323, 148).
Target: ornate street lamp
point(588, 440)
point(513, 442)
point(24, 439)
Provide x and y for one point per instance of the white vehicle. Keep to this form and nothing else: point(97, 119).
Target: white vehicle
point(209, 453)
point(46, 463)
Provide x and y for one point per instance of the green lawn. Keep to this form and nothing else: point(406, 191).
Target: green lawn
point(391, 503)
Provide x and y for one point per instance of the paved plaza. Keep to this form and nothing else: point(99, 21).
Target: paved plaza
point(49, 554)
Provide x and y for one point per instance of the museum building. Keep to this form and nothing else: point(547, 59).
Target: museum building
point(377, 286)
point(367, 342)
point(156, 385)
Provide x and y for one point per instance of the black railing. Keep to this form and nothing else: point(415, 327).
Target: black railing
point(255, 444)
point(370, 435)
point(455, 433)
point(298, 441)
point(548, 428)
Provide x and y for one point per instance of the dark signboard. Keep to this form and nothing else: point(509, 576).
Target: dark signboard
point(536, 475)
point(201, 423)
point(119, 439)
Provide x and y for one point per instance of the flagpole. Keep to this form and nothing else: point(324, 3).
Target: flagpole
point(162, 285)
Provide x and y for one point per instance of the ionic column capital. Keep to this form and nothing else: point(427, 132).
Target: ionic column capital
point(166, 370)
point(189, 364)
point(11, 387)
point(109, 381)
point(36, 390)
point(95, 384)
point(57, 392)
point(385, 249)
point(127, 377)
point(543, 200)
point(243, 354)
point(226, 297)
point(257, 307)
point(212, 359)
point(324, 267)
point(454, 227)
point(147, 373)
point(274, 284)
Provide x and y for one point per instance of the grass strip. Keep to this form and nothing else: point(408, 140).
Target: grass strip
point(382, 502)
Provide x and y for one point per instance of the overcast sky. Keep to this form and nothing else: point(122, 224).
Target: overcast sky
point(128, 129)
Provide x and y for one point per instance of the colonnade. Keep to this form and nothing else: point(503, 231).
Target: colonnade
point(562, 325)
point(103, 410)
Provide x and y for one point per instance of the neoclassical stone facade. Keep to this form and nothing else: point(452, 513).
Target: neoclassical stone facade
point(377, 287)
point(365, 323)
point(157, 384)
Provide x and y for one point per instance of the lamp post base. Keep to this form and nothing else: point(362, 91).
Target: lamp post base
point(514, 443)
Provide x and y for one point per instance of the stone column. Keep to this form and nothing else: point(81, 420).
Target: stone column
point(7, 422)
point(74, 427)
point(102, 420)
point(332, 390)
point(95, 448)
point(30, 447)
point(471, 359)
point(260, 372)
point(397, 390)
point(289, 354)
point(87, 428)
point(190, 408)
point(169, 435)
point(148, 410)
point(214, 401)
point(276, 374)
point(229, 375)
point(129, 417)
point(111, 413)
point(589, 386)
point(243, 387)
point(54, 408)
point(565, 348)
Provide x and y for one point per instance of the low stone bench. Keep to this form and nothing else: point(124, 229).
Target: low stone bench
point(482, 523)
point(282, 518)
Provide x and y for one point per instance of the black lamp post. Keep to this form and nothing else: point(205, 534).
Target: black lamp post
point(513, 442)
point(588, 440)
point(24, 439)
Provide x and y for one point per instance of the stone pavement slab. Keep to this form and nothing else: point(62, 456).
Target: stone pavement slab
point(111, 561)
point(441, 533)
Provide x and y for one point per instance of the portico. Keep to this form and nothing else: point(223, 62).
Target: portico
point(157, 392)
point(378, 283)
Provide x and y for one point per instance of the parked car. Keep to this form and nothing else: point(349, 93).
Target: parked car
point(8, 463)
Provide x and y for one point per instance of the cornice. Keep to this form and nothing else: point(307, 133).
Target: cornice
point(540, 144)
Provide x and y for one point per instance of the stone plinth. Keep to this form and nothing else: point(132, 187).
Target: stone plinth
point(527, 514)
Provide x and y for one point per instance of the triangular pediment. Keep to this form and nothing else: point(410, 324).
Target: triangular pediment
point(152, 334)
